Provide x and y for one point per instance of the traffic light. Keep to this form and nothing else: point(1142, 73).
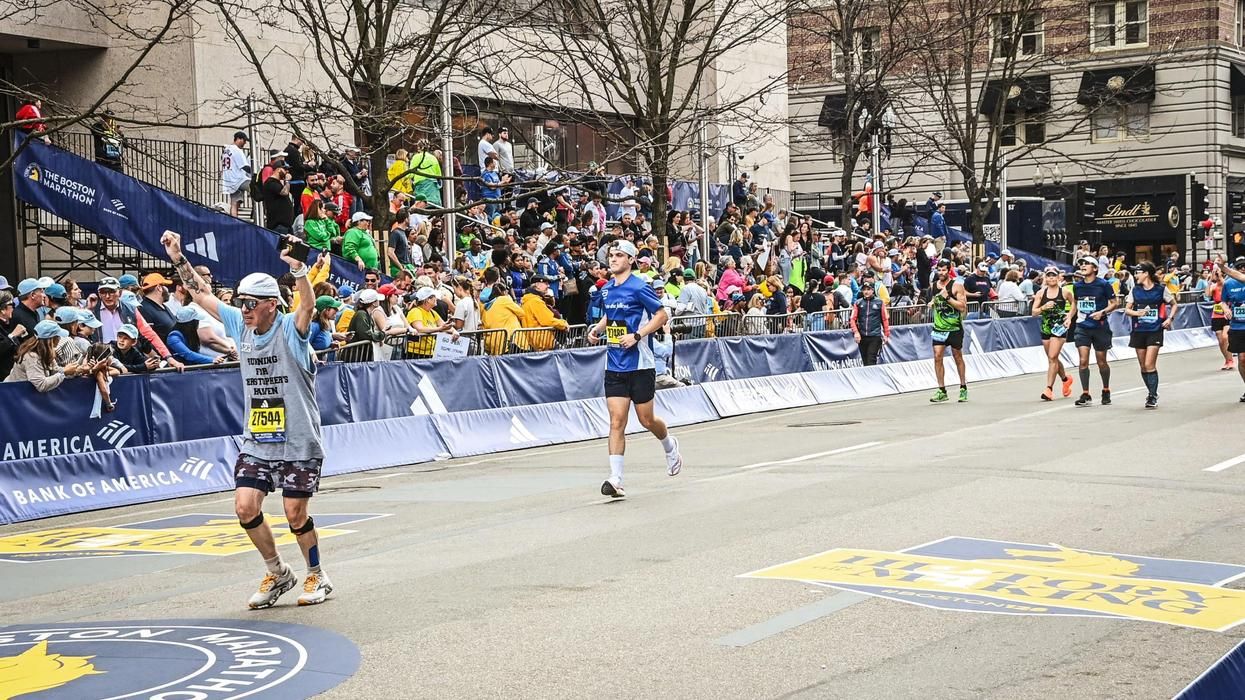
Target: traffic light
point(1236, 207)
point(1199, 198)
point(1087, 208)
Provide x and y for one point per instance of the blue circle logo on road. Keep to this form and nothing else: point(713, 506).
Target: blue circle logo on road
point(172, 659)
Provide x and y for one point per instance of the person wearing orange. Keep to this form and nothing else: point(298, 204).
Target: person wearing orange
point(1218, 317)
point(537, 314)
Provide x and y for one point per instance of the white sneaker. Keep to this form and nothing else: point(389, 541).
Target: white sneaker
point(316, 589)
point(613, 489)
point(674, 459)
point(272, 587)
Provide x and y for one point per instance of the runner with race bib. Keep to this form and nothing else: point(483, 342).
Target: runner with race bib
point(950, 304)
point(1218, 314)
point(1095, 300)
point(1051, 304)
point(1233, 300)
point(632, 314)
point(1152, 307)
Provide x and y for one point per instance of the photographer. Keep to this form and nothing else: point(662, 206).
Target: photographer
point(278, 207)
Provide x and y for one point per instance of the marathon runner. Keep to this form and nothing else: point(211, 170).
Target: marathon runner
point(1095, 300)
point(632, 313)
point(1234, 304)
point(1052, 303)
point(1152, 307)
point(950, 304)
point(1218, 315)
point(281, 445)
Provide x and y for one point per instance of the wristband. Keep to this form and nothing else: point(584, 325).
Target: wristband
point(300, 273)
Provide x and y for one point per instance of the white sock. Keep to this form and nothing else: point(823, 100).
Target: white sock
point(275, 565)
point(668, 444)
point(616, 467)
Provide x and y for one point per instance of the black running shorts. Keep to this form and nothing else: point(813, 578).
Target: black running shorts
point(1236, 341)
point(640, 386)
point(1099, 338)
point(1144, 339)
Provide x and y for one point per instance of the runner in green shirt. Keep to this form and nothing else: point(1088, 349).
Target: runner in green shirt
point(950, 303)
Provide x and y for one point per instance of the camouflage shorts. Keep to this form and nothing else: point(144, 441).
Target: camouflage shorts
point(295, 479)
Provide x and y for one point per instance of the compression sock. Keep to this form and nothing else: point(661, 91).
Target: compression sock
point(1085, 379)
point(1105, 373)
point(616, 467)
point(1152, 382)
point(275, 565)
point(313, 559)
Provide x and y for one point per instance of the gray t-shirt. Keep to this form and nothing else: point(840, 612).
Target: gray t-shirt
point(466, 310)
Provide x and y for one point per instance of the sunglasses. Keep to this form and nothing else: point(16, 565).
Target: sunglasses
point(1052, 274)
point(250, 304)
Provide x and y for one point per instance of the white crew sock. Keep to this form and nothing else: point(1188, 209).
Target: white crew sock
point(668, 443)
point(275, 565)
point(616, 468)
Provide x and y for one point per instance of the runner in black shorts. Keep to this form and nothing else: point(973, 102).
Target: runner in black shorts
point(1233, 299)
point(1051, 305)
point(1152, 306)
point(949, 303)
point(1095, 300)
point(632, 314)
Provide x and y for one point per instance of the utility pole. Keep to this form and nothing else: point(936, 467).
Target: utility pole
point(1003, 208)
point(702, 151)
point(875, 163)
point(447, 171)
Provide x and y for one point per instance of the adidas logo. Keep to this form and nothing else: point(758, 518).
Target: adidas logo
point(116, 433)
point(196, 467)
point(428, 402)
point(204, 246)
point(519, 434)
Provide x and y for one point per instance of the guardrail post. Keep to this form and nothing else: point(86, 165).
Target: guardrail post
point(186, 169)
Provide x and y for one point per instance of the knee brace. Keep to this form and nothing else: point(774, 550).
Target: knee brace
point(307, 527)
point(252, 524)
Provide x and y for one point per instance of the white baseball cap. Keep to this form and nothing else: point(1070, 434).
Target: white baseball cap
point(626, 247)
point(546, 226)
point(369, 296)
point(258, 284)
point(360, 216)
point(425, 293)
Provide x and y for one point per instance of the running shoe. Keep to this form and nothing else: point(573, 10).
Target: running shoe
point(1085, 400)
point(674, 460)
point(963, 394)
point(1227, 366)
point(1048, 395)
point(1152, 402)
point(1106, 397)
point(612, 489)
point(1067, 387)
point(1242, 398)
point(316, 589)
point(941, 395)
point(272, 587)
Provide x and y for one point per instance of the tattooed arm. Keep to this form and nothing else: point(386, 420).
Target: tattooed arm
point(200, 291)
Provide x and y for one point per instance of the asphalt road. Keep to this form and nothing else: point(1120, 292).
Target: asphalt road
point(511, 577)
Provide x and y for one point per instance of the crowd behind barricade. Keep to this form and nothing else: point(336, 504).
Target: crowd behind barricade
point(527, 272)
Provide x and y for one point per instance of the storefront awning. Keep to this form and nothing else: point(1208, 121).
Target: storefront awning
point(1238, 79)
point(1030, 94)
point(1124, 84)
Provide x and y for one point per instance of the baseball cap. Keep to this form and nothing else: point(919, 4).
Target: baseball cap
point(129, 297)
point(867, 285)
point(689, 274)
point(387, 290)
point(878, 244)
point(345, 291)
point(533, 200)
point(360, 216)
point(982, 267)
point(241, 135)
point(892, 251)
point(572, 229)
point(1006, 252)
point(58, 291)
point(185, 314)
point(626, 248)
point(369, 296)
point(4, 283)
point(128, 281)
point(274, 154)
point(657, 283)
point(327, 302)
point(828, 279)
point(45, 330)
point(128, 329)
point(258, 284)
point(546, 226)
point(109, 283)
point(425, 293)
point(539, 278)
point(29, 285)
point(88, 319)
point(1087, 260)
point(155, 279)
point(66, 314)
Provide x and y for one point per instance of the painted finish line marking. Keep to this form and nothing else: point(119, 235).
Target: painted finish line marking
point(792, 619)
point(1226, 464)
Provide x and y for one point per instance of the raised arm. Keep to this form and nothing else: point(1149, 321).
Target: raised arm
point(200, 291)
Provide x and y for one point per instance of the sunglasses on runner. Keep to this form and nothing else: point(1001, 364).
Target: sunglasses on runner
point(249, 304)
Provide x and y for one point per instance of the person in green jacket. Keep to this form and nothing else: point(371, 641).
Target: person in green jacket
point(358, 246)
point(426, 174)
point(319, 227)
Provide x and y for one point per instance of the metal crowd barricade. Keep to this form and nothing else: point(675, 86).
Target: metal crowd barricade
point(1004, 309)
point(776, 325)
point(532, 340)
point(484, 340)
point(1189, 296)
point(828, 320)
point(690, 327)
point(910, 315)
point(359, 351)
point(575, 336)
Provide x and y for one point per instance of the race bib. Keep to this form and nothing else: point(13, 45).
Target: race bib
point(1087, 306)
point(1238, 312)
point(614, 333)
point(1059, 330)
point(940, 336)
point(1151, 316)
point(266, 420)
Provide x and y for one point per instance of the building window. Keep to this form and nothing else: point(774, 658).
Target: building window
point(1018, 35)
point(1240, 22)
point(1020, 128)
point(1238, 116)
point(867, 43)
point(1116, 25)
point(1121, 122)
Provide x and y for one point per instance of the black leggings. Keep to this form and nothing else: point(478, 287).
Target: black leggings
point(870, 348)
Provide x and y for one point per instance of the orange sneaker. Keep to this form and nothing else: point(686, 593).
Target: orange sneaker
point(1067, 387)
point(1227, 366)
point(1047, 394)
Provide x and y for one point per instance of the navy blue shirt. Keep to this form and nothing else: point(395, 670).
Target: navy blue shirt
point(1234, 298)
point(1157, 300)
point(628, 306)
point(1092, 297)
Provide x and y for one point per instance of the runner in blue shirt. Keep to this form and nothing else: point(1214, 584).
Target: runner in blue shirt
point(1095, 300)
point(1233, 300)
point(1152, 307)
point(632, 313)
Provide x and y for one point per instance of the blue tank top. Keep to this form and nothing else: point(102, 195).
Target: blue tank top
point(1234, 299)
point(1153, 299)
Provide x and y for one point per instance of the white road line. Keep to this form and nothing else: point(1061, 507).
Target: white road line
point(1226, 464)
point(815, 455)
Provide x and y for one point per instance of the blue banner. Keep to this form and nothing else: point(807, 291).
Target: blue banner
point(763, 355)
point(483, 432)
point(532, 378)
point(378, 390)
point(136, 214)
point(698, 361)
point(39, 488)
point(832, 349)
point(582, 373)
point(59, 423)
point(381, 443)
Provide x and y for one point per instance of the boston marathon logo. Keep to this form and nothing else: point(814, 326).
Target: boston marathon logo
point(195, 533)
point(201, 659)
point(61, 184)
point(973, 575)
